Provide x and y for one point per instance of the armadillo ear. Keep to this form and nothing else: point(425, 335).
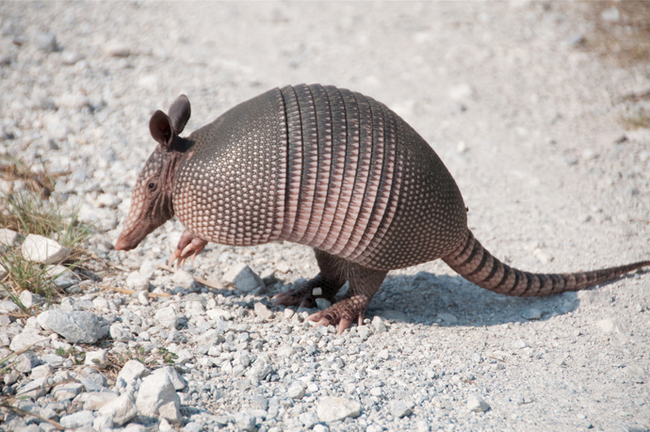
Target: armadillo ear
point(180, 112)
point(161, 129)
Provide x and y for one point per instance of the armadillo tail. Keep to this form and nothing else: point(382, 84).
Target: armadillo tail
point(473, 262)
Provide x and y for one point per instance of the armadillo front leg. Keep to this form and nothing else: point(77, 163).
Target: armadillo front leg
point(325, 285)
point(364, 283)
point(188, 246)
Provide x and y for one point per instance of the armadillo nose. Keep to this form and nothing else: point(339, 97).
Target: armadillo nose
point(126, 241)
point(121, 244)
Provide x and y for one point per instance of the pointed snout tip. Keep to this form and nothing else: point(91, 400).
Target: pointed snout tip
point(120, 245)
point(123, 244)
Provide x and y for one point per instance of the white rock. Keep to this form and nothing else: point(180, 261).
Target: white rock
point(103, 423)
point(401, 408)
point(245, 421)
point(636, 374)
point(183, 279)
point(34, 389)
point(476, 404)
point(262, 311)
point(143, 297)
point(176, 379)
point(322, 303)
point(44, 41)
point(149, 82)
point(26, 339)
point(120, 410)
point(96, 358)
point(167, 317)
point(8, 306)
point(42, 371)
point(532, 314)
point(11, 377)
point(134, 427)
point(72, 100)
point(378, 324)
point(25, 362)
point(332, 408)
point(44, 250)
point(543, 256)
point(63, 276)
point(137, 282)
point(27, 299)
point(119, 333)
point(147, 268)
point(67, 391)
point(171, 411)
point(243, 278)
point(447, 317)
point(309, 419)
point(108, 200)
point(461, 92)
point(100, 304)
point(77, 420)
point(9, 238)
point(157, 396)
point(93, 401)
point(117, 49)
point(70, 57)
point(132, 370)
point(259, 370)
point(75, 326)
point(607, 325)
point(55, 127)
point(296, 390)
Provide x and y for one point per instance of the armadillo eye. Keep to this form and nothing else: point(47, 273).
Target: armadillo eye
point(151, 186)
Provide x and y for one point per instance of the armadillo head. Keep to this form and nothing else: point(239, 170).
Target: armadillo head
point(151, 203)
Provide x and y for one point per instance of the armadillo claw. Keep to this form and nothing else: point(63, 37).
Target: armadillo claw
point(188, 246)
point(341, 314)
point(297, 297)
point(293, 298)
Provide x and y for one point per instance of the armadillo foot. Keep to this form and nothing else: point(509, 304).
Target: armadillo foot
point(342, 314)
point(188, 246)
point(305, 295)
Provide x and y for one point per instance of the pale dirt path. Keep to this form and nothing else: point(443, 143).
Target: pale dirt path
point(526, 123)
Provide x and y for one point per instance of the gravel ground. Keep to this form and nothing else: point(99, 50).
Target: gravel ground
point(535, 128)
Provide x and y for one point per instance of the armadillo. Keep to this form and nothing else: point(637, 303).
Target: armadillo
point(328, 168)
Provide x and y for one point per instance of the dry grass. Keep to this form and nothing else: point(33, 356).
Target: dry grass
point(30, 212)
point(625, 40)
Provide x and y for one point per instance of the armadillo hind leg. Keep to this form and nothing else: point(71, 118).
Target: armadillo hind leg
point(188, 246)
point(324, 285)
point(364, 282)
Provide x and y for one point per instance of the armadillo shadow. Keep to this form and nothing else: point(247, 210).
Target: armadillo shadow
point(444, 300)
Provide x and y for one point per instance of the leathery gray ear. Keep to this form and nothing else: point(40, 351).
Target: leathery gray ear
point(179, 113)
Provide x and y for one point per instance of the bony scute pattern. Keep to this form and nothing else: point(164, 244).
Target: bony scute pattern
point(332, 169)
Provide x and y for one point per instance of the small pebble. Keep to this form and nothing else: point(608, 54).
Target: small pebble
point(296, 390)
point(117, 49)
point(532, 314)
point(401, 408)
point(262, 311)
point(476, 404)
point(332, 408)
